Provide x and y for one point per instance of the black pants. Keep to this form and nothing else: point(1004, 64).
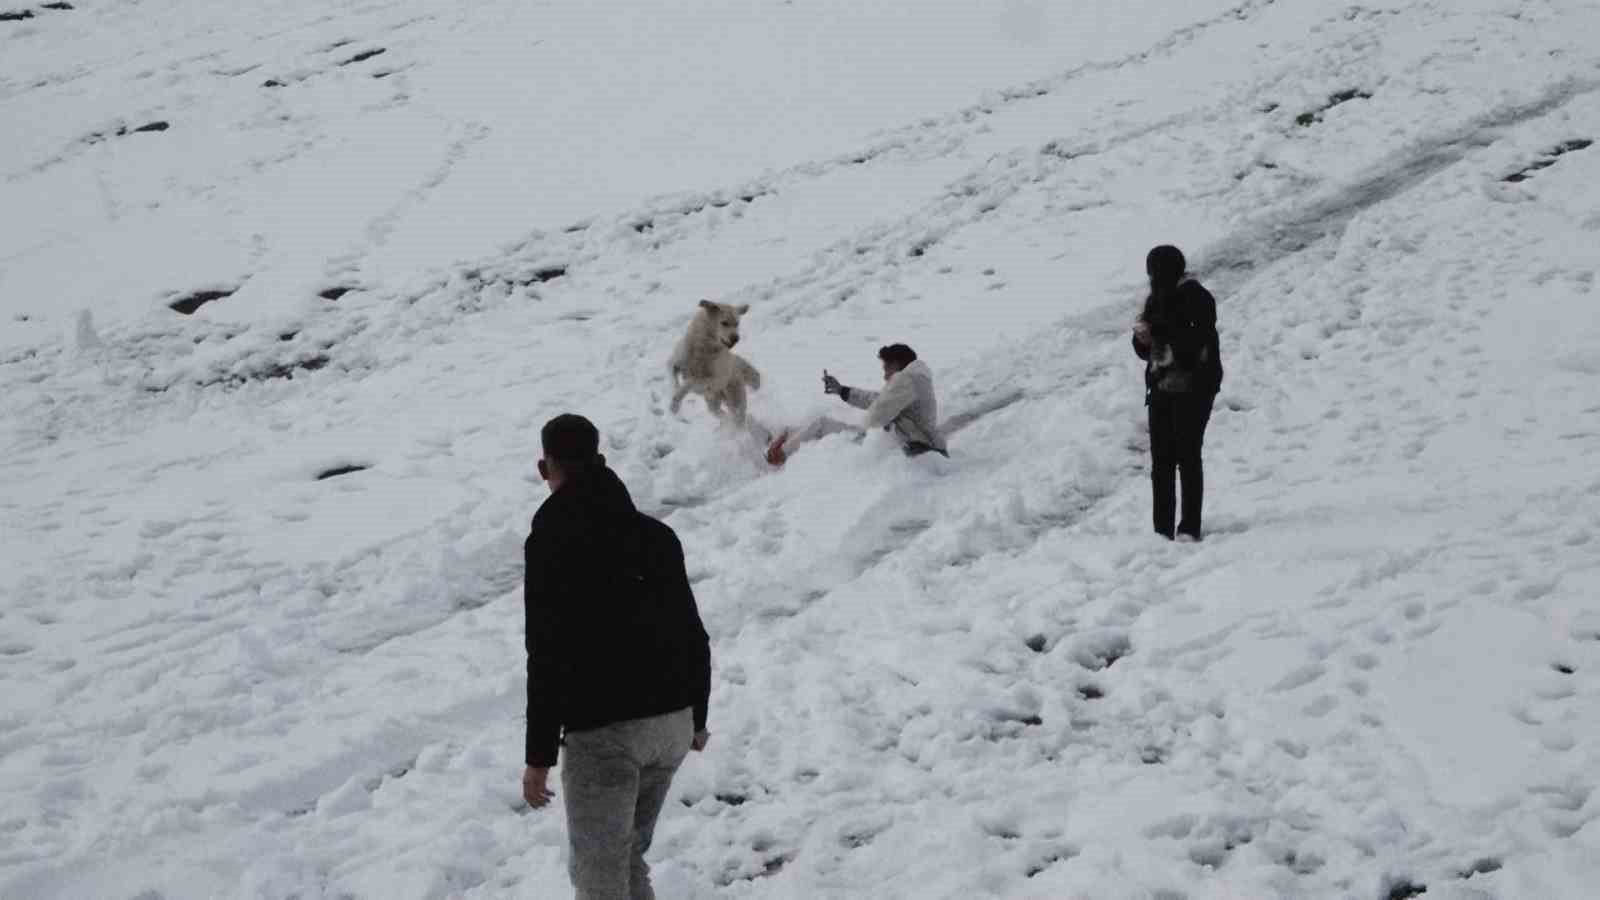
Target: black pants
point(1177, 431)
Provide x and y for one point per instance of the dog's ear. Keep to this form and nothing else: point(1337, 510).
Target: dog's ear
point(742, 308)
point(707, 304)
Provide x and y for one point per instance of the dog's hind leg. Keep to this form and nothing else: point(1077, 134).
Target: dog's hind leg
point(677, 397)
point(736, 402)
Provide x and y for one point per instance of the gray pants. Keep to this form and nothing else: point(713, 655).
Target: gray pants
point(616, 780)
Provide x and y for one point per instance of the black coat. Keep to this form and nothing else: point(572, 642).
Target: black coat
point(1184, 353)
point(613, 632)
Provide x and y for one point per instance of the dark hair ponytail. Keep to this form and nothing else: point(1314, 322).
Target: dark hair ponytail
point(1166, 267)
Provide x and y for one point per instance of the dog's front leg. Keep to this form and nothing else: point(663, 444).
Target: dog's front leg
point(678, 395)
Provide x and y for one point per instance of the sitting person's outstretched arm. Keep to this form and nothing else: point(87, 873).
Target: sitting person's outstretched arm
point(882, 407)
point(861, 398)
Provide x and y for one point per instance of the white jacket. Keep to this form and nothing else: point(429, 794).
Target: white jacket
point(906, 405)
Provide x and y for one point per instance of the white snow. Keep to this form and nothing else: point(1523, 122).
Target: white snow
point(975, 677)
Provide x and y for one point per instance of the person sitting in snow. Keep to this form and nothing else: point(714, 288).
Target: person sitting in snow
point(1176, 336)
point(906, 407)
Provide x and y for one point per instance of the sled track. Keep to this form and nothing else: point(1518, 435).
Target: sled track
point(1228, 263)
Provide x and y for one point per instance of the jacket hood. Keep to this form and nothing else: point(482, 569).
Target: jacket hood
point(592, 499)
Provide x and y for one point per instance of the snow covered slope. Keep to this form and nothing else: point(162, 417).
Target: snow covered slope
point(228, 675)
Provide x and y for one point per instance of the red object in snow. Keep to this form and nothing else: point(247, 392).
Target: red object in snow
point(776, 455)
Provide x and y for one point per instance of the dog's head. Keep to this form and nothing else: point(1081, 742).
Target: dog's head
point(721, 321)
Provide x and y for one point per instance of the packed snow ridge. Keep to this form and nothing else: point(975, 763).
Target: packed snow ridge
point(286, 296)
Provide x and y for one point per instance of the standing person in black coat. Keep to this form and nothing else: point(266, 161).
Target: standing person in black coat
point(1176, 335)
point(619, 665)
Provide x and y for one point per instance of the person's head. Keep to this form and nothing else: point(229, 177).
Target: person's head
point(894, 358)
point(571, 444)
point(1165, 265)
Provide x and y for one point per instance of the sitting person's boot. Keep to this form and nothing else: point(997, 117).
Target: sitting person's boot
point(776, 455)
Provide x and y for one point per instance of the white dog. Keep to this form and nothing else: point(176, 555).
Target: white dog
point(704, 362)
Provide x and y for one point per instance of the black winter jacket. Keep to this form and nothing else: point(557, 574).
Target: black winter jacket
point(613, 632)
point(1184, 354)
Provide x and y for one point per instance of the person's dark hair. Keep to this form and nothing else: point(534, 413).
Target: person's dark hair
point(570, 440)
point(1165, 265)
point(899, 355)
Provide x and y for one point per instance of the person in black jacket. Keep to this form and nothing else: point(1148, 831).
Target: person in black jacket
point(619, 664)
point(1176, 335)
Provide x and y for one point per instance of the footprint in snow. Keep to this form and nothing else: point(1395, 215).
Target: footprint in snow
point(1301, 863)
point(346, 469)
point(1299, 678)
point(1404, 889)
point(1048, 856)
point(892, 539)
point(859, 835)
point(1178, 827)
point(1534, 591)
point(1554, 690)
point(1557, 740)
point(1571, 797)
point(1209, 854)
point(1321, 706)
point(1422, 631)
point(1001, 826)
point(1101, 651)
point(1486, 866)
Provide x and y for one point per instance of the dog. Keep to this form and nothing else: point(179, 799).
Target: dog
point(704, 362)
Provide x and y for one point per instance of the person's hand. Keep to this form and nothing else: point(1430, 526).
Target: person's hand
point(1141, 331)
point(830, 384)
point(701, 739)
point(534, 787)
